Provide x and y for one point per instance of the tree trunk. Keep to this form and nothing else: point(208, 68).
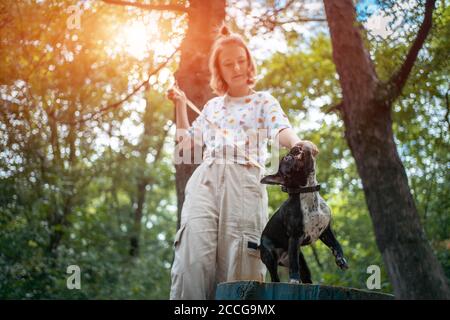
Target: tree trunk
point(136, 231)
point(414, 271)
point(59, 217)
point(205, 16)
point(144, 180)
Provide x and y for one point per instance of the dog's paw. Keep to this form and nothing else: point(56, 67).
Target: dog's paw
point(296, 281)
point(341, 263)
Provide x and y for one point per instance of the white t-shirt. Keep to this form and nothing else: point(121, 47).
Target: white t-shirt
point(248, 122)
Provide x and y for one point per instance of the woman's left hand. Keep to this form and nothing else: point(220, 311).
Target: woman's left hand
point(311, 145)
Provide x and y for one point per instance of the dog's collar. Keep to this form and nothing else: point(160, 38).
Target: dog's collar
point(301, 189)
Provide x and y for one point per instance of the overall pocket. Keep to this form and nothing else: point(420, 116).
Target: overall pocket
point(252, 267)
point(254, 204)
point(178, 236)
point(192, 181)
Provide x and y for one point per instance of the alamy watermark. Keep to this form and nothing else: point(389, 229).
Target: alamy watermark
point(374, 280)
point(74, 280)
point(74, 20)
point(225, 145)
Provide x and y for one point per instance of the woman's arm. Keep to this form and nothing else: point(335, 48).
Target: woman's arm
point(182, 121)
point(182, 138)
point(179, 99)
point(289, 139)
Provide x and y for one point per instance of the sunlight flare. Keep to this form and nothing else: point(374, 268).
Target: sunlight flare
point(134, 38)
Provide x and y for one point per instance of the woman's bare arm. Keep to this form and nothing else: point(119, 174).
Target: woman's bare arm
point(289, 139)
point(182, 122)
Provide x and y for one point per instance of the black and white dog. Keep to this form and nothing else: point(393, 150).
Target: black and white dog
point(302, 219)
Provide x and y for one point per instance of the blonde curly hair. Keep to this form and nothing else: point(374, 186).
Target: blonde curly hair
point(217, 83)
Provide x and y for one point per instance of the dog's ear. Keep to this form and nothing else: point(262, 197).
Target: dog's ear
point(273, 179)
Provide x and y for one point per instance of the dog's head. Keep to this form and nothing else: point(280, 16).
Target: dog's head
point(294, 169)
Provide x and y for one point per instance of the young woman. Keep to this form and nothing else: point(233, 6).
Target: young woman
point(225, 207)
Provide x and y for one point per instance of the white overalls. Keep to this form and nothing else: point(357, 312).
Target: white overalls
point(225, 207)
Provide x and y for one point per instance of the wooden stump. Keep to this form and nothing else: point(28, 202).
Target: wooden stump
point(253, 290)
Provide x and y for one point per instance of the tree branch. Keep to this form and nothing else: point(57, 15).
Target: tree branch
point(145, 6)
point(275, 17)
point(398, 79)
point(301, 20)
point(94, 115)
point(335, 108)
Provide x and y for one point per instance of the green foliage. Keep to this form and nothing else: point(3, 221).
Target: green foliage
point(421, 127)
point(68, 189)
point(76, 185)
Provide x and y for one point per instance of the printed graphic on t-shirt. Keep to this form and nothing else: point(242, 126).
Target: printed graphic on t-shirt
point(246, 122)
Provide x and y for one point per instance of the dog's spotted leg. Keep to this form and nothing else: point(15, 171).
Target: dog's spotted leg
point(330, 240)
point(305, 274)
point(270, 259)
point(294, 274)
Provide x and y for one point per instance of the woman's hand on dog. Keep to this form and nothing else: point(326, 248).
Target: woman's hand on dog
point(309, 144)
